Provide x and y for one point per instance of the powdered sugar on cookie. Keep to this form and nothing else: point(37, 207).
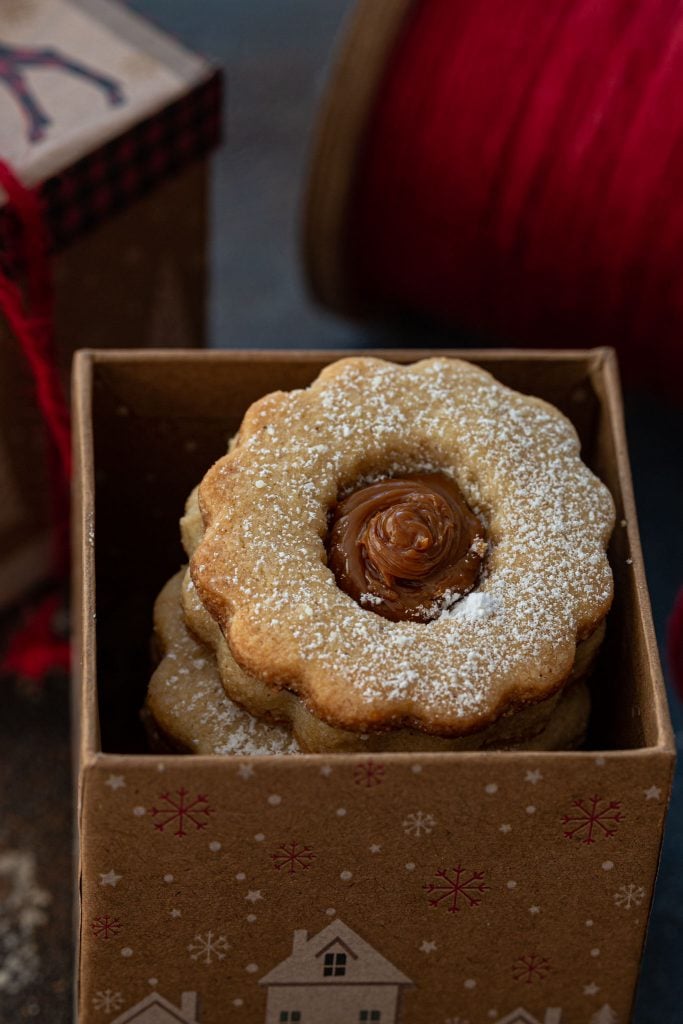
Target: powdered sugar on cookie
point(547, 583)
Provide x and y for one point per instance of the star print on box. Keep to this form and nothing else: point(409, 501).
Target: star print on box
point(176, 810)
point(455, 888)
point(110, 878)
point(591, 819)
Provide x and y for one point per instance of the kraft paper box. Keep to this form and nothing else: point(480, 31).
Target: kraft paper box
point(412, 888)
point(114, 121)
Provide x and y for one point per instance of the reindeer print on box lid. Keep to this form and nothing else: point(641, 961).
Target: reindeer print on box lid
point(16, 61)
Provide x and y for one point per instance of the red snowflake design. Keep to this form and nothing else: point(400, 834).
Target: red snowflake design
point(181, 812)
point(369, 774)
point(591, 818)
point(464, 887)
point(530, 968)
point(293, 857)
point(105, 926)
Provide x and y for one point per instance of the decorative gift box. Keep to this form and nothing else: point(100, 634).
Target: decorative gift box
point(417, 888)
point(113, 121)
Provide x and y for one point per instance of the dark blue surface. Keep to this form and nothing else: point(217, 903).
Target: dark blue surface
point(275, 52)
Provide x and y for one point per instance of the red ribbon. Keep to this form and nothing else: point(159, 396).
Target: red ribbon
point(35, 648)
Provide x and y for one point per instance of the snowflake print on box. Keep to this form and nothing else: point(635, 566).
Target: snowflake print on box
point(177, 810)
point(530, 968)
point(206, 946)
point(455, 888)
point(591, 819)
point(105, 926)
point(629, 896)
point(418, 824)
point(369, 774)
point(107, 1001)
point(292, 857)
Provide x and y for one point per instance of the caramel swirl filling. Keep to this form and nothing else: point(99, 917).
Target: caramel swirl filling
point(406, 548)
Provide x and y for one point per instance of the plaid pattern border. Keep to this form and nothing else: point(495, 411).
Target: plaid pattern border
point(116, 174)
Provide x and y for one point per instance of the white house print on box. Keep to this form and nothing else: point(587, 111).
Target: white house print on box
point(334, 977)
point(552, 1015)
point(154, 1009)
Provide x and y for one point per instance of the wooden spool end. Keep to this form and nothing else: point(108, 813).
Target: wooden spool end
point(356, 74)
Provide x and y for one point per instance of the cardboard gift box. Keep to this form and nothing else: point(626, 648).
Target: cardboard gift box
point(113, 121)
point(414, 888)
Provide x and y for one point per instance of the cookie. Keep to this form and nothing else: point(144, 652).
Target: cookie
point(187, 710)
point(498, 646)
point(261, 567)
point(534, 723)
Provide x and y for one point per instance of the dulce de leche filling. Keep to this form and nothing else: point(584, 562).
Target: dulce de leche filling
point(406, 547)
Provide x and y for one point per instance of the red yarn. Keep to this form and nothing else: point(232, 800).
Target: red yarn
point(34, 649)
point(31, 318)
point(674, 643)
point(521, 176)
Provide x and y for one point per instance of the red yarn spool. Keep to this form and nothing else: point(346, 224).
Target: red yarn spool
point(512, 169)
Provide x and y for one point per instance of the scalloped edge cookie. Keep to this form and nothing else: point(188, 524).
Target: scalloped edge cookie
point(260, 569)
point(187, 711)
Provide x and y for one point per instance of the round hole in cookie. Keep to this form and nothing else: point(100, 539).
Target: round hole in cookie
point(406, 547)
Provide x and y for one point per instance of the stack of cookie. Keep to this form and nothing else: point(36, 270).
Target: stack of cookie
point(395, 558)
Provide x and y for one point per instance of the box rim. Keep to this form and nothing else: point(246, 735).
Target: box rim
point(83, 525)
point(595, 355)
point(603, 359)
point(108, 759)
